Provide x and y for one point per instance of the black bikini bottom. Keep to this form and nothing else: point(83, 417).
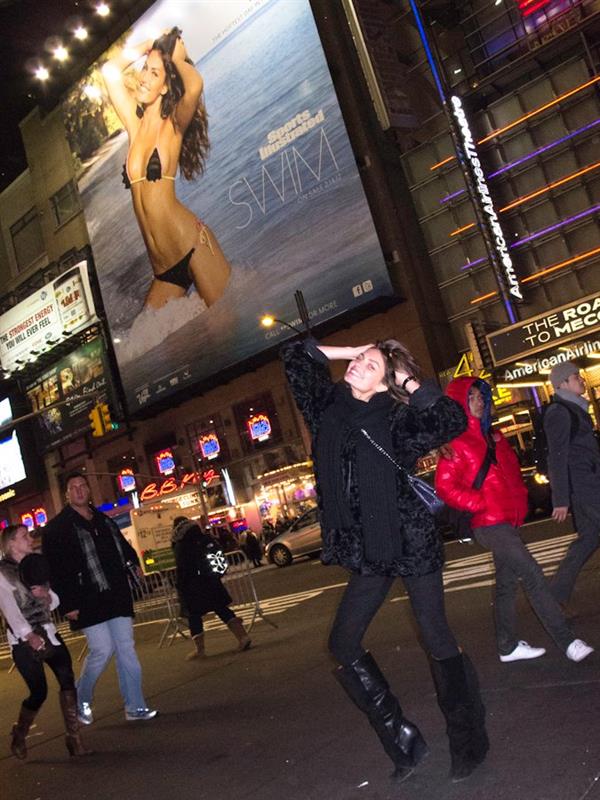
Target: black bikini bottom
point(179, 275)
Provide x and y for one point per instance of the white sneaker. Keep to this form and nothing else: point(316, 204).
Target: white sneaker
point(524, 650)
point(84, 714)
point(578, 650)
point(140, 713)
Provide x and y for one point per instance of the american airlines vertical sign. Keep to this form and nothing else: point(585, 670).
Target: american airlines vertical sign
point(501, 259)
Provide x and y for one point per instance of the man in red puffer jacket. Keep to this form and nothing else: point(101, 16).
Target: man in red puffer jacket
point(499, 508)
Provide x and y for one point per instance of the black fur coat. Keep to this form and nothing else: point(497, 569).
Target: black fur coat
point(429, 420)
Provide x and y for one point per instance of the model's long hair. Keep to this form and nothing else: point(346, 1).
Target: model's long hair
point(195, 145)
point(397, 356)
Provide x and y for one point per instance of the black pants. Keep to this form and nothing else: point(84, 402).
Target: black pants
point(196, 624)
point(363, 597)
point(32, 672)
point(587, 522)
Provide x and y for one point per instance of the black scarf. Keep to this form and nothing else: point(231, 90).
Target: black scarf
point(375, 476)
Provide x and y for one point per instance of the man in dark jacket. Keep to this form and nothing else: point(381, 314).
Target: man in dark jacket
point(574, 471)
point(89, 560)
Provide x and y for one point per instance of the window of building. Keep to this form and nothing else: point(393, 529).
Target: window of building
point(27, 239)
point(65, 203)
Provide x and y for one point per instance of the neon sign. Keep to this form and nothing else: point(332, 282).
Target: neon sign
point(529, 7)
point(209, 445)
point(126, 480)
point(27, 520)
point(41, 517)
point(165, 462)
point(497, 241)
point(259, 426)
point(154, 490)
point(209, 475)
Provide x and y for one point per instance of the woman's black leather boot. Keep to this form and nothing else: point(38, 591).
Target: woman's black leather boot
point(459, 699)
point(366, 686)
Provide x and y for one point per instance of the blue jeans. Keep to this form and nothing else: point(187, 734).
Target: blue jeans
point(114, 636)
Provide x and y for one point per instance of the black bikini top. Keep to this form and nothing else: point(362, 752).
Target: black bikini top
point(153, 171)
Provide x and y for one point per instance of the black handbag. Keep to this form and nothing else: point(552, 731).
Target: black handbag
point(458, 521)
point(423, 490)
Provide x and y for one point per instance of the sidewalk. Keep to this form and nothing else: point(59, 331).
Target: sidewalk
point(272, 724)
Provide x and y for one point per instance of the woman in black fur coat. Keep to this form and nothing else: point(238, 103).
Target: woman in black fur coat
point(375, 526)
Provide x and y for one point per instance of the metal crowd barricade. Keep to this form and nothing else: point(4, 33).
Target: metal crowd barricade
point(240, 585)
point(156, 600)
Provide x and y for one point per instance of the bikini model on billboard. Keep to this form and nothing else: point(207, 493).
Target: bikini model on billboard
point(165, 119)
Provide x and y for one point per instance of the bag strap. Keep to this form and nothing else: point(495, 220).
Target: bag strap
point(383, 451)
point(483, 469)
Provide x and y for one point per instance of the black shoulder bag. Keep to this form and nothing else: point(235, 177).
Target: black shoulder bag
point(458, 521)
point(424, 491)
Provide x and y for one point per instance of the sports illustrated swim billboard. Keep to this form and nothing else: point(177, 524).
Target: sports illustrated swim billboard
point(217, 178)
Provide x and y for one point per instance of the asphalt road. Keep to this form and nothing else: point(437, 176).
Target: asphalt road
point(272, 724)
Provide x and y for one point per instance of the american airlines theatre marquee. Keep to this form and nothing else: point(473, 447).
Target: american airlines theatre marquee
point(524, 353)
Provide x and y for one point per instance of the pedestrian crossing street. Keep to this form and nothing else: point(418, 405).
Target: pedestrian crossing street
point(461, 574)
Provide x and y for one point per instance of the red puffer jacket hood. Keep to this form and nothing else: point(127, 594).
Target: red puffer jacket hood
point(503, 496)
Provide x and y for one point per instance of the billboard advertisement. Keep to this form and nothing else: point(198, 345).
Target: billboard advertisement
point(12, 467)
point(48, 316)
point(83, 378)
point(216, 179)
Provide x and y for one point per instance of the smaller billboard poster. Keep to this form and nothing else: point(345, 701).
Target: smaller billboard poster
point(48, 316)
point(82, 377)
point(12, 467)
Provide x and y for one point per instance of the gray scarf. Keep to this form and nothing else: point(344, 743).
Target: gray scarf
point(86, 540)
point(571, 397)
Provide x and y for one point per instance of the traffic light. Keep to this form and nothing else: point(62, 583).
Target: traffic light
point(95, 417)
point(106, 420)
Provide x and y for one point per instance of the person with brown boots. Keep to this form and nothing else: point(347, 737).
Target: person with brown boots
point(26, 602)
point(200, 563)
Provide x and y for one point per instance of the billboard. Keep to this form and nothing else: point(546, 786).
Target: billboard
point(12, 467)
point(187, 267)
point(81, 377)
point(48, 316)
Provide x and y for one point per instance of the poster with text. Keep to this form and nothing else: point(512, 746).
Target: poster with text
point(81, 378)
point(217, 178)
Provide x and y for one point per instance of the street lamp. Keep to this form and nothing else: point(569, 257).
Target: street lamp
point(267, 321)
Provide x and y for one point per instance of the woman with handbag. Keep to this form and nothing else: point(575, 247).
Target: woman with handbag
point(376, 526)
point(26, 601)
point(200, 565)
point(498, 504)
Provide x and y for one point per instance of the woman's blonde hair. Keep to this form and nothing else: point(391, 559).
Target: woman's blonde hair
point(397, 357)
point(7, 535)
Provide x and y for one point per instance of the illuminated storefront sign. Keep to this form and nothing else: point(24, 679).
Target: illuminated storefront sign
point(208, 476)
point(259, 426)
point(497, 241)
point(41, 517)
point(7, 495)
point(27, 520)
point(529, 7)
point(209, 445)
point(165, 462)
point(126, 480)
point(544, 331)
point(155, 490)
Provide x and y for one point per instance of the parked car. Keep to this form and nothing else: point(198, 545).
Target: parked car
point(302, 538)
